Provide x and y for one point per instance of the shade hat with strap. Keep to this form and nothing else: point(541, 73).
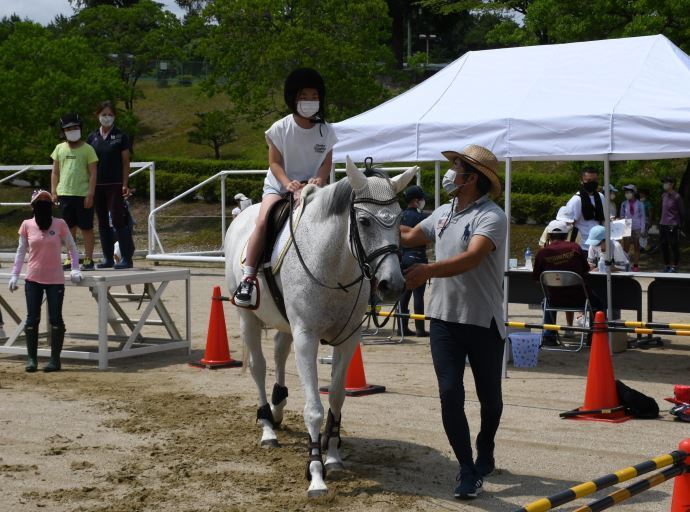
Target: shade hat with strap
point(481, 159)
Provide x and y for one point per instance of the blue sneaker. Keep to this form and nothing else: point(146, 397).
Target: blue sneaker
point(470, 483)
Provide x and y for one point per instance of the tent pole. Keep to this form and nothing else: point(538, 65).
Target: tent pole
point(437, 184)
point(507, 257)
point(609, 246)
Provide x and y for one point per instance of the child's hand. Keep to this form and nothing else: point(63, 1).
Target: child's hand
point(12, 285)
point(294, 186)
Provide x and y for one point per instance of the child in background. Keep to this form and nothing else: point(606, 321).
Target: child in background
point(73, 183)
point(633, 209)
point(597, 246)
point(43, 236)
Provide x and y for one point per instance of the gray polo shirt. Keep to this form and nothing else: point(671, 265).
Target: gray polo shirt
point(474, 297)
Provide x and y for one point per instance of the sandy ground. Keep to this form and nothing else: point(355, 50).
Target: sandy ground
point(153, 434)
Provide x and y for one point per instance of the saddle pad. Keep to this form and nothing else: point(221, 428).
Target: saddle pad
point(282, 243)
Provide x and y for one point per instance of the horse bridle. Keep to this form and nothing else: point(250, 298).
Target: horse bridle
point(363, 259)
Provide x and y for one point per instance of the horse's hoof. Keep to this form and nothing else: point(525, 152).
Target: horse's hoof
point(334, 467)
point(269, 443)
point(317, 493)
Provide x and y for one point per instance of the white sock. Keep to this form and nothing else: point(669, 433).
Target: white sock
point(249, 272)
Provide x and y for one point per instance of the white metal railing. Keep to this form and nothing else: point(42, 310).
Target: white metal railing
point(138, 167)
point(158, 253)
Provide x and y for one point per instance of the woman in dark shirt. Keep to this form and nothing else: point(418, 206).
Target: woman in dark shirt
point(112, 147)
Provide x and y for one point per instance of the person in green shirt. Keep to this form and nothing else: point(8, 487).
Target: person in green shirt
point(73, 183)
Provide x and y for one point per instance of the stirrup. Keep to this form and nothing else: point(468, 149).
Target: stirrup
point(255, 298)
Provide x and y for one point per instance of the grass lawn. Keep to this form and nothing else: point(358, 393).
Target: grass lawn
point(167, 114)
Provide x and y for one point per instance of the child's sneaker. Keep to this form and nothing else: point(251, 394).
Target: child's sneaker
point(470, 483)
point(67, 264)
point(245, 293)
point(87, 264)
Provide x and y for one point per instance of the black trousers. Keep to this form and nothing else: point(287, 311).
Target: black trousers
point(669, 237)
point(451, 343)
point(55, 294)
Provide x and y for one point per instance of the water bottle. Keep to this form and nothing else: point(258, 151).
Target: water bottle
point(528, 259)
point(601, 266)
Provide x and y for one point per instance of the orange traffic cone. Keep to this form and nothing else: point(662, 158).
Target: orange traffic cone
point(681, 484)
point(217, 354)
point(601, 397)
point(355, 380)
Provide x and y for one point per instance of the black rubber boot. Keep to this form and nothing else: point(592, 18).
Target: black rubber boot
point(31, 332)
point(419, 329)
point(107, 246)
point(57, 337)
point(124, 237)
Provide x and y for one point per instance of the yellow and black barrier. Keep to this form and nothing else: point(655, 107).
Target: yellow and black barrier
point(610, 326)
point(645, 484)
point(622, 475)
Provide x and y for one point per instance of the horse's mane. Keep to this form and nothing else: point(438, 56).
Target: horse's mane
point(335, 198)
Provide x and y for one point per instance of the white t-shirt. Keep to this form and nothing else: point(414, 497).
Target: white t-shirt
point(574, 209)
point(620, 259)
point(303, 150)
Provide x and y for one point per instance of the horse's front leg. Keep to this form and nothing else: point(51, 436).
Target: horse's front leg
point(306, 348)
point(250, 328)
point(342, 354)
point(282, 344)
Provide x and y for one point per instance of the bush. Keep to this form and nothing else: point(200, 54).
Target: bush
point(541, 208)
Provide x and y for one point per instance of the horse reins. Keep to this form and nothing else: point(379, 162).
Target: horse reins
point(363, 260)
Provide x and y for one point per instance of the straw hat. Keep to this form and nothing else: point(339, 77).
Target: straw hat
point(481, 159)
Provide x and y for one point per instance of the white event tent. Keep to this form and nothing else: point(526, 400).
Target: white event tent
point(616, 99)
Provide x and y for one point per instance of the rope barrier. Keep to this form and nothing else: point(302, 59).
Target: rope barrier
point(621, 495)
point(587, 488)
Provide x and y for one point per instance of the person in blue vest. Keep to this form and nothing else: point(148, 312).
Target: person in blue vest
point(411, 216)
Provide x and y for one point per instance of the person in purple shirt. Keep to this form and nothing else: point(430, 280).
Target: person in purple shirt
point(670, 223)
point(633, 209)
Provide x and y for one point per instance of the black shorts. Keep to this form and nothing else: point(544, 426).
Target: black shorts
point(74, 213)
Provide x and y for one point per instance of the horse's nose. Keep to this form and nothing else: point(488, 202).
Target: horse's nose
point(390, 291)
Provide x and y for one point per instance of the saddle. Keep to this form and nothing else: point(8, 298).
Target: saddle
point(278, 215)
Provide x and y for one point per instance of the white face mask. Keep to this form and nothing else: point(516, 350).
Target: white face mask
point(307, 108)
point(449, 182)
point(73, 135)
point(420, 204)
point(106, 121)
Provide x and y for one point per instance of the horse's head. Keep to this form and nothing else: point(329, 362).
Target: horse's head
point(375, 226)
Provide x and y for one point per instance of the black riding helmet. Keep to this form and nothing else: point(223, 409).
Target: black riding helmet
point(303, 78)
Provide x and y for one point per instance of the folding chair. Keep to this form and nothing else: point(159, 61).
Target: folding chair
point(565, 291)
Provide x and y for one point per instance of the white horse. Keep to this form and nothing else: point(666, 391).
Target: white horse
point(347, 235)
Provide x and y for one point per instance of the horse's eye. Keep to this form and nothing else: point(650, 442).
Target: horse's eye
point(364, 221)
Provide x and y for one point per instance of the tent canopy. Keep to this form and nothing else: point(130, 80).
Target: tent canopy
point(628, 98)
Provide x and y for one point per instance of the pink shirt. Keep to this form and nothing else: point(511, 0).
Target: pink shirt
point(45, 251)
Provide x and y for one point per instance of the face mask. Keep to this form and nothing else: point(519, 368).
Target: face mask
point(106, 121)
point(612, 196)
point(667, 186)
point(420, 204)
point(629, 196)
point(449, 182)
point(73, 135)
point(591, 186)
point(43, 213)
point(307, 108)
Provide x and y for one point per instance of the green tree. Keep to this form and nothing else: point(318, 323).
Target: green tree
point(254, 44)
point(561, 21)
point(81, 4)
point(133, 39)
point(213, 129)
point(56, 75)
